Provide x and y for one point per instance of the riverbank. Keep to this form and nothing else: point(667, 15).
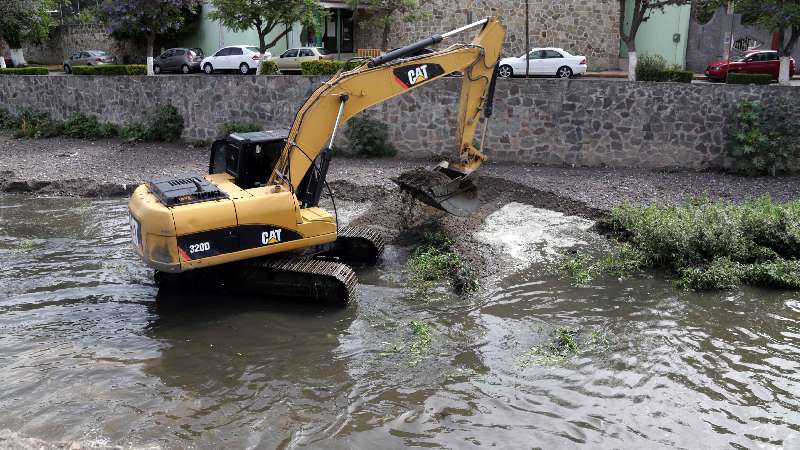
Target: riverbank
point(61, 166)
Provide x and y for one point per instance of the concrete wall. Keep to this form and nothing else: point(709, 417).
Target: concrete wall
point(582, 27)
point(655, 36)
point(707, 42)
point(541, 121)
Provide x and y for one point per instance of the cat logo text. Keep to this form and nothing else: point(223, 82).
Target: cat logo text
point(271, 237)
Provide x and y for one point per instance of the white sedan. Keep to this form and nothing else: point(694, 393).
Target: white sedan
point(545, 61)
point(243, 58)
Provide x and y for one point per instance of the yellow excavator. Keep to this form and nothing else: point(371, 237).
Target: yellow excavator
point(255, 215)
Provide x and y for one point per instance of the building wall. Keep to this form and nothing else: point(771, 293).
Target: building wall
point(68, 39)
point(588, 122)
point(707, 42)
point(583, 27)
point(655, 36)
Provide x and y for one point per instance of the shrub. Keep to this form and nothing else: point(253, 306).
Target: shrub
point(268, 67)
point(329, 66)
point(749, 78)
point(162, 124)
point(763, 141)
point(369, 137)
point(82, 126)
point(7, 120)
point(111, 69)
point(649, 67)
point(37, 125)
point(717, 245)
point(24, 71)
point(229, 128)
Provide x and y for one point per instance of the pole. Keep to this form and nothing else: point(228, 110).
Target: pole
point(527, 43)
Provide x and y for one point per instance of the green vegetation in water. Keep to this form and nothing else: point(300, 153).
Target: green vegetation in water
point(762, 141)
point(562, 345)
point(26, 245)
point(417, 346)
point(706, 245)
point(434, 259)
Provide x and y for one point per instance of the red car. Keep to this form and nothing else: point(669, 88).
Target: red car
point(760, 61)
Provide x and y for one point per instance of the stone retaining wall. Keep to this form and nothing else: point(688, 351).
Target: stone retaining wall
point(542, 121)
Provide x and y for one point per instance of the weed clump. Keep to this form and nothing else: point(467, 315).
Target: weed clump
point(562, 344)
point(434, 259)
point(83, 126)
point(763, 142)
point(709, 245)
point(164, 124)
point(369, 137)
point(229, 128)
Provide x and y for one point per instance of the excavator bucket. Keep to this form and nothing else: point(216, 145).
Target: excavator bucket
point(445, 188)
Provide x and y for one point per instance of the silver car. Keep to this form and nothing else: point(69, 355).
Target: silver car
point(183, 60)
point(88, 58)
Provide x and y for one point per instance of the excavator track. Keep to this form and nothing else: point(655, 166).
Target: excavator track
point(358, 245)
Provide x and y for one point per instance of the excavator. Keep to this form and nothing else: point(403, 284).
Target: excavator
point(253, 223)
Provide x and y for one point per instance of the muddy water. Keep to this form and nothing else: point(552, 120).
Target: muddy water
point(88, 354)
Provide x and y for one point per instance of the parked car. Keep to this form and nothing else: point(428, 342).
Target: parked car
point(291, 59)
point(184, 60)
point(545, 61)
point(89, 58)
point(243, 58)
point(759, 61)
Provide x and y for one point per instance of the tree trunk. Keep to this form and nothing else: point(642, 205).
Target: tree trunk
point(387, 26)
point(151, 41)
point(784, 77)
point(17, 57)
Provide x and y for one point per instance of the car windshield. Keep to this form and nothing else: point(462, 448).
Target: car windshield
point(254, 49)
point(323, 51)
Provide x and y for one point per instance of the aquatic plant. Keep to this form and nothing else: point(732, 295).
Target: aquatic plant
point(434, 259)
point(707, 245)
point(564, 342)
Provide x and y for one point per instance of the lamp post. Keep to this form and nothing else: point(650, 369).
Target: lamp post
point(527, 43)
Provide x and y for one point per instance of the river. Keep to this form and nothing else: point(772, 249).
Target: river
point(90, 353)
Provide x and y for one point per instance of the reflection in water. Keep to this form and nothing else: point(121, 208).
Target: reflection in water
point(88, 354)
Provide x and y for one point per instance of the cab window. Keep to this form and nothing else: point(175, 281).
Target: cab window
point(291, 53)
point(305, 52)
point(553, 54)
point(235, 51)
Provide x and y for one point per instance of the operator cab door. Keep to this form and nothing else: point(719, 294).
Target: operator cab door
point(288, 60)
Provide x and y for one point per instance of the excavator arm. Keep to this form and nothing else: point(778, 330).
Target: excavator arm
point(305, 156)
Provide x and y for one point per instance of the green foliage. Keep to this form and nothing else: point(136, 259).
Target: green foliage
point(229, 128)
point(749, 78)
point(164, 124)
point(777, 16)
point(763, 141)
point(7, 120)
point(35, 124)
point(623, 262)
point(111, 69)
point(329, 66)
point(562, 345)
point(266, 16)
point(369, 137)
point(24, 71)
point(422, 337)
point(654, 68)
point(268, 67)
point(434, 259)
point(82, 126)
point(577, 267)
point(26, 21)
point(716, 245)
point(385, 13)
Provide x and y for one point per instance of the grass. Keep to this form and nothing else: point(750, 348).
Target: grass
point(705, 245)
point(417, 346)
point(434, 260)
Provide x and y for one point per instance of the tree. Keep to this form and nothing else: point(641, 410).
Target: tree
point(134, 19)
point(642, 9)
point(24, 21)
point(265, 16)
point(388, 12)
point(777, 16)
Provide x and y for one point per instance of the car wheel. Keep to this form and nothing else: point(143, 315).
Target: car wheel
point(564, 72)
point(505, 71)
point(244, 68)
point(67, 69)
point(156, 69)
point(208, 68)
point(185, 69)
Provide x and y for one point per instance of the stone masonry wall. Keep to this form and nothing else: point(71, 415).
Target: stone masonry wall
point(539, 121)
point(68, 39)
point(582, 27)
